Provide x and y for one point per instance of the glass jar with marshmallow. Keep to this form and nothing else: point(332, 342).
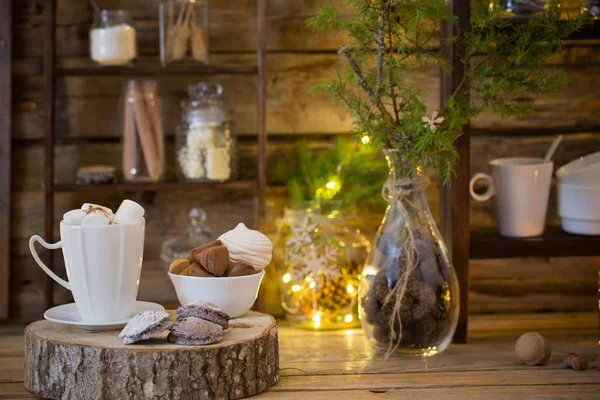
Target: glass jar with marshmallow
point(206, 144)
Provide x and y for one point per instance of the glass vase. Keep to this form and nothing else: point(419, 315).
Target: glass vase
point(409, 297)
point(320, 256)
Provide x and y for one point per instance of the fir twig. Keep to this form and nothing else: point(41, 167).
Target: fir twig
point(380, 49)
point(504, 64)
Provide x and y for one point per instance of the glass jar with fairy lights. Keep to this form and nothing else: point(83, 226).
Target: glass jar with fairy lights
point(206, 145)
point(319, 256)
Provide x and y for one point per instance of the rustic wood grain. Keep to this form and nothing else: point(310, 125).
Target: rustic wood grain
point(86, 106)
point(49, 115)
point(5, 151)
point(64, 362)
point(454, 198)
point(298, 59)
point(341, 364)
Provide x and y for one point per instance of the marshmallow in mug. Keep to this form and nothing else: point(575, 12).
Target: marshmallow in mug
point(87, 207)
point(129, 212)
point(74, 217)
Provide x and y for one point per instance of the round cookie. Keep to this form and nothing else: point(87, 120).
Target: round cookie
point(178, 266)
point(145, 325)
point(204, 310)
point(195, 332)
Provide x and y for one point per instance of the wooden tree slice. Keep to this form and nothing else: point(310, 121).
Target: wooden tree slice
point(65, 362)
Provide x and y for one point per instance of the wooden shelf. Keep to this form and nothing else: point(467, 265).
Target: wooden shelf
point(158, 70)
point(487, 244)
point(589, 32)
point(153, 186)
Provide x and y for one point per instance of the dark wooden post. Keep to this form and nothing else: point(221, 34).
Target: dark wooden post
point(48, 129)
point(5, 150)
point(261, 106)
point(454, 201)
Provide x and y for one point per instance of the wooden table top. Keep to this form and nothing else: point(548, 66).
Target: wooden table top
point(340, 365)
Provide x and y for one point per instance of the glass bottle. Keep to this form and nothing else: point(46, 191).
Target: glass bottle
point(520, 8)
point(143, 135)
point(113, 38)
point(197, 234)
point(184, 30)
point(409, 295)
point(206, 145)
point(592, 8)
point(319, 258)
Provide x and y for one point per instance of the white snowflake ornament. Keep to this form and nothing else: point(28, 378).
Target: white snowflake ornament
point(433, 121)
point(302, 234)
point(316, 263)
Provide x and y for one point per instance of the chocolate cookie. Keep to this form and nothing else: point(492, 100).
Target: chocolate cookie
point(197, 270)
point(239, 269)
point(197, 250)
point(178, 266)
point(145, 325)
point(205, 310)
point(195, 332)
point(215, 260)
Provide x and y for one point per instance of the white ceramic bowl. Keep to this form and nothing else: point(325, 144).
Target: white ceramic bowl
point(579, 209)
point(234, 295)
point(584, 171)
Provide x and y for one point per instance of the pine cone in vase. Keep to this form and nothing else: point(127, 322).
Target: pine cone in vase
point(328, 296)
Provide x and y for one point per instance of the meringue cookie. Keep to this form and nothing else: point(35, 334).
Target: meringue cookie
point(249, 246)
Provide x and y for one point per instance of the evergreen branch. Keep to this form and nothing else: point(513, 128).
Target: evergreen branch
point(360, 78)
point(380, 50)
point(504, 63)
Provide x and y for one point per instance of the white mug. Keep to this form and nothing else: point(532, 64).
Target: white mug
point(103, 266)
point(521, 187)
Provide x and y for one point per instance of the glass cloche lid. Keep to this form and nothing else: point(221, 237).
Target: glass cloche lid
point(196, 235)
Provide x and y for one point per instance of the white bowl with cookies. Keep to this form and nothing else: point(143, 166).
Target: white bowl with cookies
point(226, 272)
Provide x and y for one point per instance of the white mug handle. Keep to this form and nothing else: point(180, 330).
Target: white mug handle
point(57, 245)
point(491, 190)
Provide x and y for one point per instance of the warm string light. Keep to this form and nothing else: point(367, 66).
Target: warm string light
point(350, 289)
point(316, 320)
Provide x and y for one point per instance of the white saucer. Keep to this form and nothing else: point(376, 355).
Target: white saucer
point(69, 315)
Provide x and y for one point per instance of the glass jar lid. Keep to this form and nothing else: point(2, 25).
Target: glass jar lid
point(197, 234)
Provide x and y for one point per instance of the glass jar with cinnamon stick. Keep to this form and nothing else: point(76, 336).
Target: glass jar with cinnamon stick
point(183, 31)
point(143, 135)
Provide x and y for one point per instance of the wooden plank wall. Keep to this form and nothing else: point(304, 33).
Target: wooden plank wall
point(5, 151)
point(88, 113)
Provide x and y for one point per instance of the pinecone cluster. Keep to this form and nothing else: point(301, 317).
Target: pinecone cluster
point(424, 311)
point(329, 295)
